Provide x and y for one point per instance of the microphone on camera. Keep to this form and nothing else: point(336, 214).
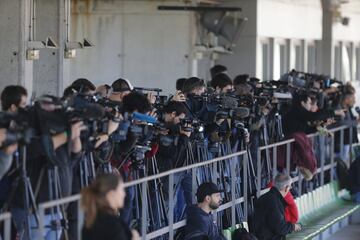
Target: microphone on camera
point(144, 118)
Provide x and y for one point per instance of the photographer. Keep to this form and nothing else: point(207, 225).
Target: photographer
point(5, 154)
point(221, 83)
point(296, 125)
point(218, 128)
point(124, 153)
point(168, 155)
point(217, 69)
point(193, 88)
point(298, 117)
point(37, 162)
point(347, 102)
point(120, 89)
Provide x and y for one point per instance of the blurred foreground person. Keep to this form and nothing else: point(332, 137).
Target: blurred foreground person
point(101, 202)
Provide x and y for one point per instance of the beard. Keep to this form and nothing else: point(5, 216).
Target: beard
point(214, 205)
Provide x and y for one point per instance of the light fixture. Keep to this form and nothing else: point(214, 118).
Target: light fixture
point(70, 47)
point(33, 48)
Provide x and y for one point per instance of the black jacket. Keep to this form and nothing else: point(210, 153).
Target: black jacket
point(107, 227)
point(351, 121)
point(269, 219)
point(198, 221)
point(297, 119)
point(354, 176)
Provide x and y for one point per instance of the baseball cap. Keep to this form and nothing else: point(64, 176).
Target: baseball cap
point(121, 85)
point(206, 189)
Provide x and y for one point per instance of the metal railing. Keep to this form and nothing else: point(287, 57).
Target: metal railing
point(236, 161)
point(5, 220)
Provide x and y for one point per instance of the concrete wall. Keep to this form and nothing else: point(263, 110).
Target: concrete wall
point(14, 34)
point(133, 40)
point(244, 58)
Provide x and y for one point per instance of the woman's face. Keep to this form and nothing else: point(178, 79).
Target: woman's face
point(116, 197)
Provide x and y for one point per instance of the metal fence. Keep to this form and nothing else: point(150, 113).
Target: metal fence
point(238, 175)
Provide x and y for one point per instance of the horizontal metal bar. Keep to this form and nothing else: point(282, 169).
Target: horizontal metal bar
point(198, 8)
point(182, 169)
point(165, 230)
point(53, 203)
point(277, 144)
point(338, 128)
point(5, 216)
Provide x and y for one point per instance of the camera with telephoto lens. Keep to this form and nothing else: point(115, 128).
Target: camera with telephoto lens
point(18, 128)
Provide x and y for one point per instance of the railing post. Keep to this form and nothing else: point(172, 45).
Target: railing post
point(80, 217)
point(332, 156)
point(322, 158)
point(7, 227)
point(258, 172)
point(144, 207)
point(245, 181)
point(342, 143)
point(350, 144)
point(288, 158)
point(193, 184)
point(274, 171)
point(41, 211)
point(232, 161)
point(171, 206)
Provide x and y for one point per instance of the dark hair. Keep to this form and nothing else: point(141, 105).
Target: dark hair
point(241, 79)
point(83, 85)
point(68, 92)
point(348, 90)
point(120, 85)
point(300, 97)
point(12, 95)
point(136, 101)
point(180, 83)
point(177, 107)
point(93, 197)
point(221, 80)
point(217, 69)
point(192, 83)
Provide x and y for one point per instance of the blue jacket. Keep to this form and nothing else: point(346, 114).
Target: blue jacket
point(198, 221)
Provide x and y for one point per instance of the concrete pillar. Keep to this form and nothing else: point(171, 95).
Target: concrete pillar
point(14, 32)
point(327, 46)
point(51, 71)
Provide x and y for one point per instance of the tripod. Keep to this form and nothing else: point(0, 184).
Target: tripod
point(28, 198)
point(157, 208)
point(87, 169)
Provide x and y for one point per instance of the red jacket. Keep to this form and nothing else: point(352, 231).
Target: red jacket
point(291, 210)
